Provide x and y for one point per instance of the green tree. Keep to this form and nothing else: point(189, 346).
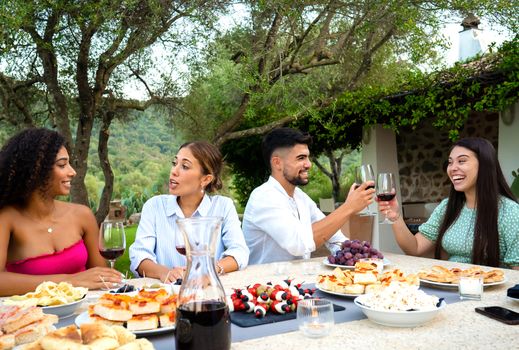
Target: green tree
point(288, 62)
point(64, 64)
point(292, 57)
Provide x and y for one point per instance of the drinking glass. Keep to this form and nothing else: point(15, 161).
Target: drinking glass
point(470, 287)
point(112, 241)
point(315, 317)
point(386, 190)
point(365, 173)
point(308, 266)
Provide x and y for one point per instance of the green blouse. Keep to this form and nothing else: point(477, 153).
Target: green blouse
point(459, 238)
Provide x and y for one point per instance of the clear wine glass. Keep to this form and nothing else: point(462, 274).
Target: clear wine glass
point(386, 190)
point(112, 241)
point(365, 173)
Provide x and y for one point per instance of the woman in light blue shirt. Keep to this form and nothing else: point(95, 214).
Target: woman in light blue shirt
point(195, 172)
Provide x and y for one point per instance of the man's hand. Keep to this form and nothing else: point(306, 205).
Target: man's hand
point(359, 197)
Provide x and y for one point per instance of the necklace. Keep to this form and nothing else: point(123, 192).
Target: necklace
point(49, 230)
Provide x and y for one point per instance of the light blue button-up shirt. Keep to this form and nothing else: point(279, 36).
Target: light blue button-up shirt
point(158, 232)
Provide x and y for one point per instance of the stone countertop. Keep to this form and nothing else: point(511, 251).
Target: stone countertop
point(458, 326)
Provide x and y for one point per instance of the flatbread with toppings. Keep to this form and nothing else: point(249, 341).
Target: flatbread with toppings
point(442, 274)
point(137, 312)
point(365, 279)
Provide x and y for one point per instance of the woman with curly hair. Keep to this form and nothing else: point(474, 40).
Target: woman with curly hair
point(41, 238)
point(195, 173)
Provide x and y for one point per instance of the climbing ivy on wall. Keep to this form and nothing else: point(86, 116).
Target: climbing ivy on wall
point(489, 83)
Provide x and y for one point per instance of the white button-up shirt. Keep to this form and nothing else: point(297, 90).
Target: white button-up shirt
point(278, 227)
point(158, 233)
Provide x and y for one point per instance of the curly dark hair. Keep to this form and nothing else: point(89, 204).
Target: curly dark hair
point(26, 162)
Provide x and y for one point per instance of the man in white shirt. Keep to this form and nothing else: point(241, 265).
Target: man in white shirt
point(281, 222)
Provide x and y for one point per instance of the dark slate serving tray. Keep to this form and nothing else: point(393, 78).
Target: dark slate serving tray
point(244, 319)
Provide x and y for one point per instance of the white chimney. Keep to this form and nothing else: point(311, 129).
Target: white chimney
point(471, 38)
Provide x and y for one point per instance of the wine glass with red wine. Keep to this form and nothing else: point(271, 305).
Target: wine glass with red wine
point(386, 190)
point(112, 241)
point(180, 245)
point(365, 173)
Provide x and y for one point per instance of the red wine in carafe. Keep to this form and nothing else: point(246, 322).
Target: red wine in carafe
point(208, 326)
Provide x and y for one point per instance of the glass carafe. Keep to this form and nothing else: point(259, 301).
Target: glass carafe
point(202, 320)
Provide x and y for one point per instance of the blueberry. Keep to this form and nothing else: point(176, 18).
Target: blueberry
point(124, 289)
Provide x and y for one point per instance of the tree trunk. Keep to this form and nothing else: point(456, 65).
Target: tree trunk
point(102, 151)
point(87, 108)
point(335, 175)
point(79, 192)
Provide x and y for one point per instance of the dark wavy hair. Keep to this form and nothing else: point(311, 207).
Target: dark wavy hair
point(490, 185)
point(210, 158)
point(26, 163)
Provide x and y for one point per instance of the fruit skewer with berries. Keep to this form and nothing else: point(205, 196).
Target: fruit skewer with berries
point(263, 298)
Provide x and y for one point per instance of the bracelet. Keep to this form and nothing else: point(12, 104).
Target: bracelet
point(220, 269)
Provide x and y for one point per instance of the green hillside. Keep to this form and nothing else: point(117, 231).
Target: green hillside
point(141, 148)
point(140, 152)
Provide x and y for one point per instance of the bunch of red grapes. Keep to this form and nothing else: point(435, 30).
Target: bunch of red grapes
point(352, 251)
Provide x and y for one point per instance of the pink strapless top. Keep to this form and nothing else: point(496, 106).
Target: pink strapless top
point(69, 260)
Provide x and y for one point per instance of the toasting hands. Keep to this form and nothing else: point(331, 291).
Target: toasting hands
point(360, 196)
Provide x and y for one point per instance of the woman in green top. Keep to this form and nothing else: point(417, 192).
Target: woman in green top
point(478, 223)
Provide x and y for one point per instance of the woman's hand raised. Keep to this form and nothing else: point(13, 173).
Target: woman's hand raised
point(389, 208)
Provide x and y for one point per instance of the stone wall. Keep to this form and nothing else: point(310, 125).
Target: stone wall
point(423, 155)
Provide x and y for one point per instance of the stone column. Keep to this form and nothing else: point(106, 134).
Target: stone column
point(379, 150)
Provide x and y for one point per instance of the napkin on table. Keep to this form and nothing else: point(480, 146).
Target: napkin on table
point(513, 292)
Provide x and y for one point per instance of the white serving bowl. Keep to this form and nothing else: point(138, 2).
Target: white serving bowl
point(398, 318)
point(64, 310)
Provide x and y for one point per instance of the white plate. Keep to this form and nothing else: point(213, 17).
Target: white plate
point(347, 295)
point(84, 318)
point(169, 288)
point(513, 299)
point(398, 318)
point(64, 310)
point(386, 262)
point(444, 285)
